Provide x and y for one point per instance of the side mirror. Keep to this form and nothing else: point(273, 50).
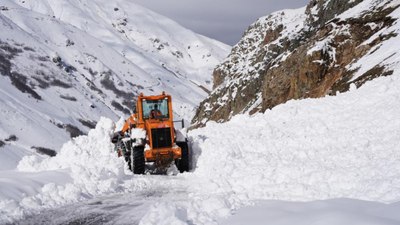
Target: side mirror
point(134, 109)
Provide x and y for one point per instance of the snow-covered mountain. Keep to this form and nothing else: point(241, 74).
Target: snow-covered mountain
point(318, 50)
point(325, 161)
point(63, 64)
point(291, 158)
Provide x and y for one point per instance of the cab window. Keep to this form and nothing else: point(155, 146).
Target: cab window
point(155, 108)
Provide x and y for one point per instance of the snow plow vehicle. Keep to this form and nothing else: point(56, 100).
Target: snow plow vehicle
point(149, 136)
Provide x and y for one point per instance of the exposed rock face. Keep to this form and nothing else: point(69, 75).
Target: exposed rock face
point(319, 12)
point(294, 54)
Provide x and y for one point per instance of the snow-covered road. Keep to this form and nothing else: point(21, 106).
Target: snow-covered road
point(126, 208)
point(111, 210)
point(131, 209)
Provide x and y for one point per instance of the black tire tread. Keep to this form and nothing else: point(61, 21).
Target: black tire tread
point(138, 164)
point(183, 163)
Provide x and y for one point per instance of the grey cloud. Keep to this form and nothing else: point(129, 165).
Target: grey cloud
point(224, 20)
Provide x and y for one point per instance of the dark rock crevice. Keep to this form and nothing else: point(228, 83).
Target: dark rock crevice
point(45, 151)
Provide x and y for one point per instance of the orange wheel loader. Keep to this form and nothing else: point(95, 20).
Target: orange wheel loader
point(149, 136)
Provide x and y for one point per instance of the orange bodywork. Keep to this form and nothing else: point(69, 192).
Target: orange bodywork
point(129, 123)
point(168, 150)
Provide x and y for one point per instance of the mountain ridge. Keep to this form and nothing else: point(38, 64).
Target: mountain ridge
point(309, 52)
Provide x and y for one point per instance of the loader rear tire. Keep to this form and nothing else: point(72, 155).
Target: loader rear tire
point(183, 163)
point(138, 164)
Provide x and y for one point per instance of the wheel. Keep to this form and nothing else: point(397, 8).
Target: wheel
point(128, 160)
point(122, 150)
point(137, 160)
point(183, 163)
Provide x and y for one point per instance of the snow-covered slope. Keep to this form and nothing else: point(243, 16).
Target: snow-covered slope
point(63, 64)
point(345, 146)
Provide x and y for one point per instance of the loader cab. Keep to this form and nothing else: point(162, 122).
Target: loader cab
point(159, 128)
point(147, 105)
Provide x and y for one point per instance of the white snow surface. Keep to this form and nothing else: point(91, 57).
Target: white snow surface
point(135, 48)
point(333, 147)
point(333, 160)
point(331, 212)
point(346, 146)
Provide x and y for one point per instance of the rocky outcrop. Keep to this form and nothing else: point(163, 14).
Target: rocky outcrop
point(294, 54)
point(320, 12)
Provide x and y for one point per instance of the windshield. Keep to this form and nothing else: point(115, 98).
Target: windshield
point(155, 108)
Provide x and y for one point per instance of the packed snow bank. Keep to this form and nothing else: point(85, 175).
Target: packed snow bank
point(346, 146)
point(19, 192)
point(331, 212)
point(90, 158)
point(16, 185)
point(85, 166)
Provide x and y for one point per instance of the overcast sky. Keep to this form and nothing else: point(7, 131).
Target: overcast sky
point(224, 20)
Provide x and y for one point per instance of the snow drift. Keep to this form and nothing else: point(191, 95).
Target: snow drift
point(314, 149)
point(84, 167)
point(335, 147)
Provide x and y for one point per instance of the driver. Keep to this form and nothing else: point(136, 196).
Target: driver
point(155, 113)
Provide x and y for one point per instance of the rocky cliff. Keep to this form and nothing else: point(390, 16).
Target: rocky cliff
point(318, 50)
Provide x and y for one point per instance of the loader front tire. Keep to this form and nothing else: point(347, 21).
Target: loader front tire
point(137, 160)
point(183, 163)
